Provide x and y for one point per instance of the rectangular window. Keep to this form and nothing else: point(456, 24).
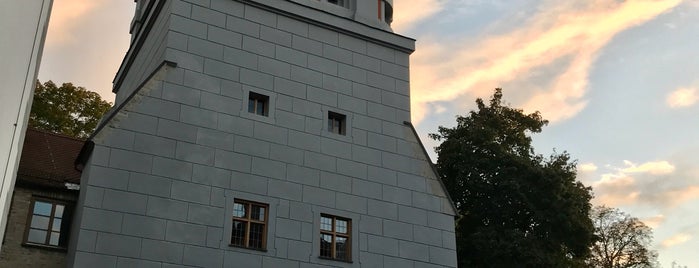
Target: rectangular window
point(249, 225)
point(258, 104)
point(48, 223)
point(335, 241)
point(337, 123)
point(342, 3)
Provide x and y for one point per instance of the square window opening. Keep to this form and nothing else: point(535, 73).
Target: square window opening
point(258, 104)
point(337, 123)
point(335, 238)
point(249, 225)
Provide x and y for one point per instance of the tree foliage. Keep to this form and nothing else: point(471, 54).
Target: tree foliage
point(67, 110)
point(516, 208)
point(622, 241)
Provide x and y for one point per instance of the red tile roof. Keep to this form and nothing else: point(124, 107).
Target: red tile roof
point(47, 159)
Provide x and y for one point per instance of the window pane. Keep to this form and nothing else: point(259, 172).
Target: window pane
point(261, 107)
point(40, 222)
point(238, 234)
point(326, 245)
point(341, 226)
point(341, 248)
point(54, 238)
point(42, 208)
point(326, 224)
point(56, 225)
point(258, 213)
point(36, 236)
point(59, 211)
point(251, 105)
point(239, 210)
point(256, 235)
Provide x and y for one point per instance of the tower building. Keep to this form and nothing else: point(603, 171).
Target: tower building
point(261, 133)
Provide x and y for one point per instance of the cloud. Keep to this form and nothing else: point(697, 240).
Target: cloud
point(587, 167)
point(655, 221)
point(66, 16)
point(655, 168)
point(561, 41)
point(411, 12)
point(657, 184)
point(682, 97)
point(677, 239)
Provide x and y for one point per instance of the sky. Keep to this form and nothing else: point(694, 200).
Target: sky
point(618, 81)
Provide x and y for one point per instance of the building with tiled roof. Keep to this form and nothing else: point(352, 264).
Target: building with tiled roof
point(45, 192)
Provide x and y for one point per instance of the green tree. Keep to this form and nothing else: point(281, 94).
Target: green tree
point(67, 110)
point(516, 208)
point(622, 241)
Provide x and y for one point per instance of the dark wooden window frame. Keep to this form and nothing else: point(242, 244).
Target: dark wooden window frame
point(255, 100)
point(66, 220)
point(334, 234)
point(248, 221)
point(337, 120)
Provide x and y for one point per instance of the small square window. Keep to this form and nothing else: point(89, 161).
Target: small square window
point(335, 238)
point(342, 3)
point(258, 104)
point(48, 223)
point(249, 225)
point(337, 123)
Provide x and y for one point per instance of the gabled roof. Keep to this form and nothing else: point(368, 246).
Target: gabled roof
point(47, 159)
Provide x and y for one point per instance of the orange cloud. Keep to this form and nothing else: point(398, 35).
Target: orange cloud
point(655, 221)
point(587, 167)
point(682, 97)
point(564, 34)
point(655, 168)
point(677, 239)
point(66, 15)
point(410, 12)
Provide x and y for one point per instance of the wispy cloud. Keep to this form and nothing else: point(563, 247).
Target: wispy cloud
point(66, 15)
point(412, 12)
point(655, 168)
point(655, 221)
point(682, 97)
point(658, 184)
point(562, 40)
point(677, 239)
point(587, 167)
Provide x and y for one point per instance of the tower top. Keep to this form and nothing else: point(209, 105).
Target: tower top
point(375, 13)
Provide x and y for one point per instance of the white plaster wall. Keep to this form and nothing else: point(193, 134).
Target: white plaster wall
point(23, 27)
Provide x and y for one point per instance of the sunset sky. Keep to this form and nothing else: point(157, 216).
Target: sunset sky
point(619, 81)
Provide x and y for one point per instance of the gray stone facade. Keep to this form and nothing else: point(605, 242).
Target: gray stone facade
point(180, 145)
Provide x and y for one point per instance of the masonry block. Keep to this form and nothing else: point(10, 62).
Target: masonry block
point(176, 130)
point(268, 168)
point(318, 196)
point(366, 189)
point(287, 228)
point(190, 192)
point(225, 37)
point(130, 160)
point(109, 177)
point(242, 26)
point(396, 195)
point(186, 233)
point(303, 175)
point(285, 190)
point(118, 245)
point(167, 208)
point(306, 76)
point(300, 251)
point(188, 26)
point(208, 16)
point(172, 168)
point(336, 84)
point(146, 227)
point(242, 259)
point(290, 88)
point(221, 70)
point(89, 260)
point(383, 245)
point(292, 56)
point(164, 251)
point(154, 145)
point(258, 46)
point(236, 125)
point(335, 182)
point(202, 256)
point(245, 182)
point(382, 209)
point(274, 67)
point(205, 48)
point(124, 201)
point(203, 81)
point(232, 161)
point(427, 235)
point(319, 161)
point(205, 215)
point(215, 138)
point(208, 175)
point(256, 79)
point(322, 65)
point(275, 36)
